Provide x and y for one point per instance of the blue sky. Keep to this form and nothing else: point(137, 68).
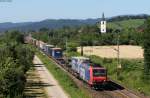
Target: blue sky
point(36, 10)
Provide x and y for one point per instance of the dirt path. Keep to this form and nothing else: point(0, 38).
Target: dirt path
point(52, 87)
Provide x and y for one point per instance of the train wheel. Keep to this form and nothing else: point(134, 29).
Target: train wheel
point(92, 86)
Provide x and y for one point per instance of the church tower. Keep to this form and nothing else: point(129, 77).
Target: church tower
point(103, 24)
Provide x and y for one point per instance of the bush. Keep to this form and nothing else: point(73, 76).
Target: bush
point(15, 60)
point(106, 60)
point(146, 46)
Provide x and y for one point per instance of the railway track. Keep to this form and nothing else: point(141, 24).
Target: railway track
point(110, 90)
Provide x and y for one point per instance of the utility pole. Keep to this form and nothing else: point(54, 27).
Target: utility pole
point(81, 43)
point(118, 49)
point(118, 52)
point(66, 45)
point(48, 37)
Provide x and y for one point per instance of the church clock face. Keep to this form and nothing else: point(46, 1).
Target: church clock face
point(103, 24)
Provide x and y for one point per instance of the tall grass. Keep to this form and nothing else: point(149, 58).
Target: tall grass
point(131, 74)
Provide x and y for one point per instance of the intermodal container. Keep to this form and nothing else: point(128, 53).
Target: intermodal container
point(48, 49)
point(85, 71)
point(56, 53)
point(76, 63)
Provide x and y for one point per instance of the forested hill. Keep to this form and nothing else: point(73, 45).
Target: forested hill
point(128, 17)
point(49, 23)
point(53, 23)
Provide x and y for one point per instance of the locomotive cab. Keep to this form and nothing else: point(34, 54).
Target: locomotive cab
point(99, 76)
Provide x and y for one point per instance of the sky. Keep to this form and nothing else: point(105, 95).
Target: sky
point(37, 10)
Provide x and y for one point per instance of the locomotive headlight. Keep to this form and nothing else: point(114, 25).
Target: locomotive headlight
point(94, 80)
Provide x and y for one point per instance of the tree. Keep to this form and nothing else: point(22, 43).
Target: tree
point(43, 29)
point(146, 45)
point(15, 59)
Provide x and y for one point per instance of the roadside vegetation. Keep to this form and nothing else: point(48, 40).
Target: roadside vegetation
point(15, 61)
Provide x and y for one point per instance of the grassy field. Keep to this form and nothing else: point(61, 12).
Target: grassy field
point(64, 80)
point(133, 23)
point(126, 51)
point(131, 74)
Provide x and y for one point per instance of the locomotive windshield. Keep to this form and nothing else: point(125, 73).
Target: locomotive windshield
point(99, 72)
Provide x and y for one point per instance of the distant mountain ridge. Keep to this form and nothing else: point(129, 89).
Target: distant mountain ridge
point(54, 23)
point(49, 23)
point(127, 17)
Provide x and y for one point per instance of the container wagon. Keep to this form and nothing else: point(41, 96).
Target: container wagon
point(57, 53)
point(33, 42)
point(37, 44)
point(76, 63)
point(41, 45)
point(48, 49)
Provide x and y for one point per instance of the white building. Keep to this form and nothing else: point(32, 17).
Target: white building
point(103, 24)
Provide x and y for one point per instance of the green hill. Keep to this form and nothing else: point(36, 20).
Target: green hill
point(131, 23)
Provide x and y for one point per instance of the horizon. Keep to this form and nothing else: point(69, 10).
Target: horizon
point(71, 18)
point(17, 11)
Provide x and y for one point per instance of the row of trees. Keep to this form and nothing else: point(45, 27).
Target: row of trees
point(146, 46)
point(15, 60)
point(127, 17)
point(88, 36)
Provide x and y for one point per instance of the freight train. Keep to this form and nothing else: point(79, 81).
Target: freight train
point(91, 73)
